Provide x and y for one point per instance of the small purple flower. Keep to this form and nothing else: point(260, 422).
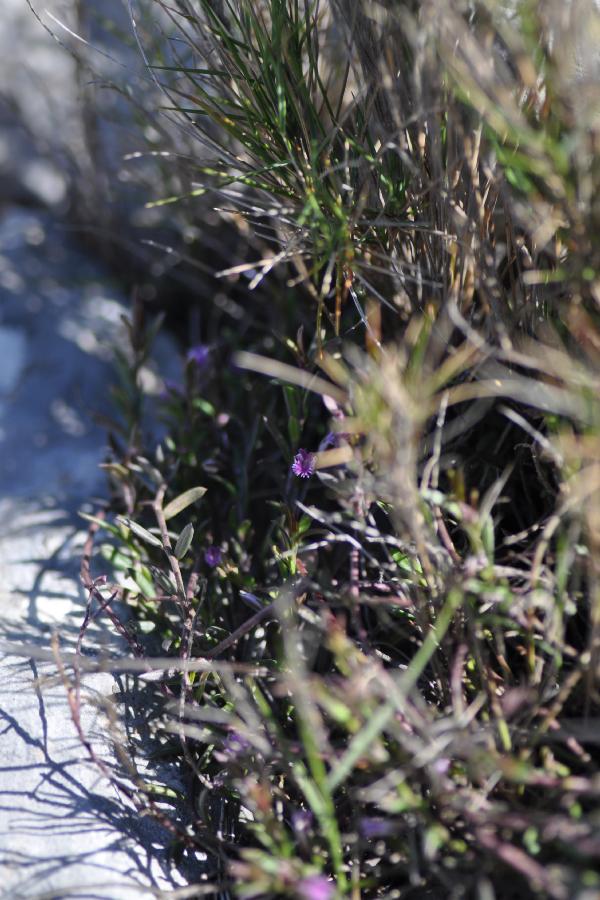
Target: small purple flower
point(198, 355)
point(333, 439)
point(234, 746)
point(212, 556)
point(441, 765)
point(304, 464)
point(302, 820)
point(315, 887)
point(374, 827)
point(330, 440)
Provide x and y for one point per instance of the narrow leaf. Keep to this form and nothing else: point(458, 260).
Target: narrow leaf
point(164, 579)
point(112, 529)
point(284, 372)
point(141, 532)
point(184, 540)
point(184, 500)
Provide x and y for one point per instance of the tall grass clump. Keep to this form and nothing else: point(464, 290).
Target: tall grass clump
point(368, 544)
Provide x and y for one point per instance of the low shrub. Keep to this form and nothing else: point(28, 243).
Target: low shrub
point(368, 543)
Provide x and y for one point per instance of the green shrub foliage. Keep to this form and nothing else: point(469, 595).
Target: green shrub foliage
point(369, 540)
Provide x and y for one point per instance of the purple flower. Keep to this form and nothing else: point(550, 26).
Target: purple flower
point(373, 827)
point(316, 887)
point(198, 355)
point(304, 464)
point(333, 439)
point(330, 440)
point(212, 556)
point(234, 746)
point(302, 820)
point(441, 765)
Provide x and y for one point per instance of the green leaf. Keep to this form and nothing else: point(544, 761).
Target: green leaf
point(143, 579)
point(184, 500)
point(164, 579)
point(304, 524)
point(112, 529)
point(117, 559)
point(294, 431)
point(204, 406)
point(184, 540)
point(140, 532)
